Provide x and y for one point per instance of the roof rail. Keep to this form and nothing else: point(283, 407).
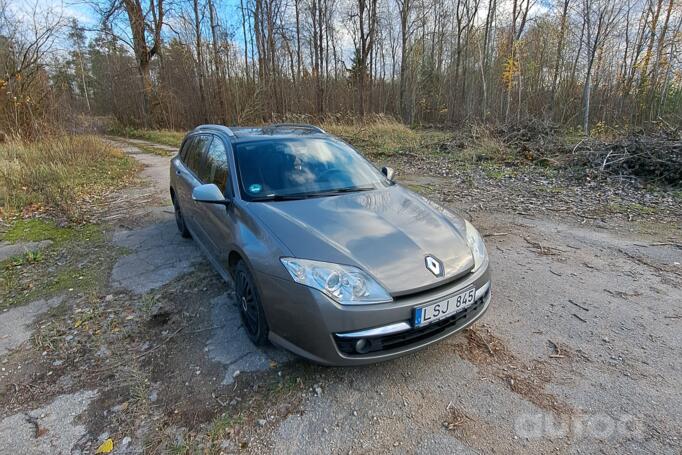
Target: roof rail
point(222, 128)
point(302, 126)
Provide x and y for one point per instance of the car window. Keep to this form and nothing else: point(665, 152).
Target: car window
point(185, 147)
point(216, 169)
point(195, 154)
point(302, 166)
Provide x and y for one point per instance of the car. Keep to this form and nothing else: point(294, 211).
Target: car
point(330, 258)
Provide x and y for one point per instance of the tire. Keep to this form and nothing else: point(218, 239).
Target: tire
point(180, 220)
point(250, 308)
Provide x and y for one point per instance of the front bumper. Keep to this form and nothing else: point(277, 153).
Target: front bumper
point(311, 325)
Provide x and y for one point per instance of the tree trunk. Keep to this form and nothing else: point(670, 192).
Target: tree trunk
point(298, 39)
point(143, 53)
point(218, 63)
point(657, 62)
point(200, 62)
point(405, 111)
point(559, 52)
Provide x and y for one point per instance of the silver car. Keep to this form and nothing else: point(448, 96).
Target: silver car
point(330, 258)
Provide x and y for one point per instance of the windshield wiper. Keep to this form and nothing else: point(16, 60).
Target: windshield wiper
point(281, 197)
point(350, 189)
point(297, 196)
point(353, 189)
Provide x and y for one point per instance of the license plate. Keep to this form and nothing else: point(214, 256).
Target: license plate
point(439, 310)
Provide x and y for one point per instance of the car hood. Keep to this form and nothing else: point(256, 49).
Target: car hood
point(387, 233)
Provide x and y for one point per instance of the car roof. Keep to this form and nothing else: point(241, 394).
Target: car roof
point(240, 133)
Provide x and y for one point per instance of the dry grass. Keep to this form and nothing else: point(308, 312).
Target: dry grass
point(374, 136)
point(165, 137)
point(59, 174)
point(385, 136)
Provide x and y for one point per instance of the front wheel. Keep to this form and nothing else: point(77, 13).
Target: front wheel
point(250, 308)
point(180, 220)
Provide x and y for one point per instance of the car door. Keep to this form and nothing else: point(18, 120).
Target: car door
point(181, 182)
point(188, 179)
point(216, 220)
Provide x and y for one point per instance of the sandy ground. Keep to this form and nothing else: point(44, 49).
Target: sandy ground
point(579, 353)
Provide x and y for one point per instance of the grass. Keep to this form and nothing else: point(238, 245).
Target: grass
point(386, 137)
point(497, 171)
point(29, 257)
point(374, 137)
point(631, 207)
point(165, 137)
point(154, 150)
point(79, 260)
point(60, 174)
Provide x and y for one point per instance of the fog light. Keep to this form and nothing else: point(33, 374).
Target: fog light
point(362, 346)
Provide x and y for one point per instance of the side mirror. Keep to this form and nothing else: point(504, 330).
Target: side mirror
point(209, 193)
point(388, 172)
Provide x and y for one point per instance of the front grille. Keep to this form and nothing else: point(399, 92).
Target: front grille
point(414, 336)
point(451, 283)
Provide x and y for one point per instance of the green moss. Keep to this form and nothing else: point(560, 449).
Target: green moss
point(73, 279)
point(37, 229)
point(79, 260)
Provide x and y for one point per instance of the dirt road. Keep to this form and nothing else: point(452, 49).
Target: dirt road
point(579, 353)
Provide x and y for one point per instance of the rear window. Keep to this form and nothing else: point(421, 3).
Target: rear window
point(215, 168)
point(185, 146)
point(195, 153)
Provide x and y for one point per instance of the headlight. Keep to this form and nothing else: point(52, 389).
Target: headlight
point(346, 284)
point(476, 245)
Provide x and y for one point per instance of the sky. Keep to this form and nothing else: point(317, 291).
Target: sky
point(76, 9)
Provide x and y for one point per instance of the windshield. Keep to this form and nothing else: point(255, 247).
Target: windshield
point(302, 167)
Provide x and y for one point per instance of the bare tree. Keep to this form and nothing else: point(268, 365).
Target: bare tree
point(598, 17)
point(425, 61)
point(145, 25)
point(365, 16)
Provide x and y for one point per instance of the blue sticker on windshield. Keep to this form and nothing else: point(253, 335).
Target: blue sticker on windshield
point(255, 188)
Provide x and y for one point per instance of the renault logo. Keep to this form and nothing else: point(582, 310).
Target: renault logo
point(434, 266)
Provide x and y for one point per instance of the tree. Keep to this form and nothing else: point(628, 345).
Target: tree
point(366, 17)
point(405, 8)
point(77, 36)
point(598, 18)
point(145, 25)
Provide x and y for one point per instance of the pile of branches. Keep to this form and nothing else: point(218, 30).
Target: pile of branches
point(654, 157)
point(533, 139)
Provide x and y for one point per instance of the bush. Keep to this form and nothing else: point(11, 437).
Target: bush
point(59, 173)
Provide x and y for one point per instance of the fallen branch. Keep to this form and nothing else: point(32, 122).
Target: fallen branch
point(496, 234)
point(579, 318)
point(578, 305)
